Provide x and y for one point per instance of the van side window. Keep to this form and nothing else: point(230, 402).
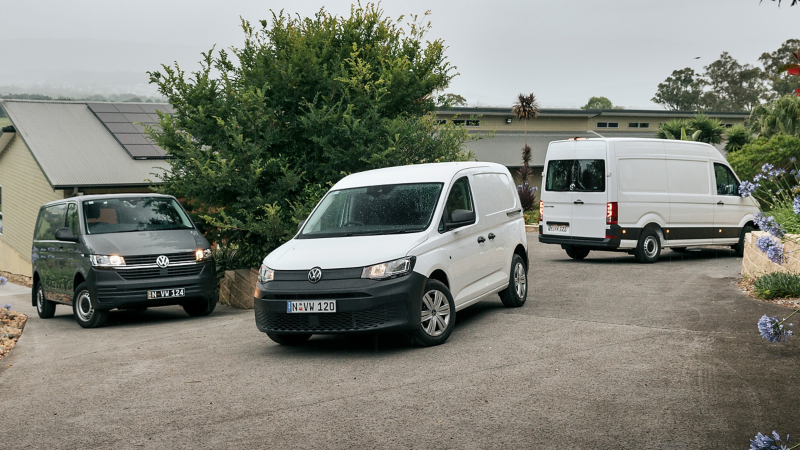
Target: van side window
point(72, 218)
point(460, 198)
point(726, 180)
point(50, 219)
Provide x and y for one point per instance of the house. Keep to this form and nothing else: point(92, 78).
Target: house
point(557, 124)
point(56, 149)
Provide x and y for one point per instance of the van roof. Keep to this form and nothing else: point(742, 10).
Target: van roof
point(672, 141)
point(414, 173)
point(84, 198)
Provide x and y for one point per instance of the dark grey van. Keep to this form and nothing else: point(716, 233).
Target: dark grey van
point(125, 251)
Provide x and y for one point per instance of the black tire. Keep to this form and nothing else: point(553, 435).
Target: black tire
point(678, 249)
point(576, 252)
point(200, 308)
point(739, 248)
point(648, 248)
point(289, 339)
point(436, 298)
point(44, 307)
point(85, 314)
point(516, 293)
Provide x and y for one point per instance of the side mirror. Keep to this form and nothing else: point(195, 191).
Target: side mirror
point(460, 218)
point(300, 224)
point(200, 227)
point(65, 234)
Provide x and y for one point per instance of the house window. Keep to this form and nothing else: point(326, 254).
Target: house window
point(727, 125)
point(441, 121)
point(607, 124)
point(639, 125)
point(467, 122)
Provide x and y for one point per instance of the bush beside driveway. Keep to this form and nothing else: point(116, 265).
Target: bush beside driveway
point(606, 353)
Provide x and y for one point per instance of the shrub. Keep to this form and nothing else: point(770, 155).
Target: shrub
point(777, 285)
point(777, 151)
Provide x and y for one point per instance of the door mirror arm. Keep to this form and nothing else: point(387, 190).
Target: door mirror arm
point(65, 234)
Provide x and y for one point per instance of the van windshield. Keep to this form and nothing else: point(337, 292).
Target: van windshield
point(373, 210)
point(119, 215)
point(580, 175)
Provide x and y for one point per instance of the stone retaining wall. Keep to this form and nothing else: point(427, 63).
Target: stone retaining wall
point(237, 288)
point(755, 262)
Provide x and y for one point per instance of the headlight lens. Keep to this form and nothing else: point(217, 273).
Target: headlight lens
point(265, 274)
point(391, 269)
point(107, 260)
point(203, 255)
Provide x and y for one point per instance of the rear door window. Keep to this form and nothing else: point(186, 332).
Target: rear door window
point(579, 175)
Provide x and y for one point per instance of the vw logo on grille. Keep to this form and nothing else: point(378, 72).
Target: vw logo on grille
point(162, 261)
point(315, 274)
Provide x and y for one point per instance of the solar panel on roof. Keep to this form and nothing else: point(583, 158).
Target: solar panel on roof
point(128, 108)
point(126, 122)
point(101, 107)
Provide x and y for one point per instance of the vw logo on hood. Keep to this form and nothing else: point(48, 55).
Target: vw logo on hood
point(162, 261)
point(315, 274)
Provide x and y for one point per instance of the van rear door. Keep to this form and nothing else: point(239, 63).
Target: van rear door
point(556, 193)
point(589, 193)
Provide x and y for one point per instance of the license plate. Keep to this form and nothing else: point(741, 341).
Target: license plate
point(312, 306)
point(167, 293)
point(562, 228)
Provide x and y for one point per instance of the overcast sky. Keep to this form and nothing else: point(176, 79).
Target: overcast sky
point(563, 51)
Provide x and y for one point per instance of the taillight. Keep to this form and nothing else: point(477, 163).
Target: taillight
point(541, 210)
point(612, 213)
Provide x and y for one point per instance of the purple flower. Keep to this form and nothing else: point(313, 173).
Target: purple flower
point(3, 281)
point(796, 205)
point(7, 306)
point(767, 167)
point(769, 225)
point(792, 159)
point(747, 188)
point(762, 442)
point(772, 248)
point(758, 178)
point(772, 330)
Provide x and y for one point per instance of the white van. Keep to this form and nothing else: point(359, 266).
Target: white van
point(639, 196)
point(397, 249)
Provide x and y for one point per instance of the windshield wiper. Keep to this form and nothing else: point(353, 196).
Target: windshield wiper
point(412, 230)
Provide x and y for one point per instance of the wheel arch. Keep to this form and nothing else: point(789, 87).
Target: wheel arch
point(441, 276)
point(523, 253)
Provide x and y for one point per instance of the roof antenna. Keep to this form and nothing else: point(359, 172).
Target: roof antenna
point(590, 131)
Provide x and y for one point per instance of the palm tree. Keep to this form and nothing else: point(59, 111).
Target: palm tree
point(672, 128)
point(526, 108)
point(736, 137)
point(780, 116)
point(711, 130)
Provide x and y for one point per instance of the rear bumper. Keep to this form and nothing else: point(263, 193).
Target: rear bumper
point(362, 305)
point(610, 242)
point(109, 290)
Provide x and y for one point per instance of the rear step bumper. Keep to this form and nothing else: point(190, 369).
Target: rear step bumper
point(610, 242)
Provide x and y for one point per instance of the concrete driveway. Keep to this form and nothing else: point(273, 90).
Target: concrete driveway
point(607, 353)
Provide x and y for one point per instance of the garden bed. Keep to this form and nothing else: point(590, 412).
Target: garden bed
point(21, 280)
point(746, 285)
point(11, 325)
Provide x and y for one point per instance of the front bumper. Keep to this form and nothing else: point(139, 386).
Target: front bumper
point(362, 305)
point(109, 289)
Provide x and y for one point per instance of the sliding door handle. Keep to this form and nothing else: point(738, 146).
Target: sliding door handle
point(720, 203)
point(578, 202)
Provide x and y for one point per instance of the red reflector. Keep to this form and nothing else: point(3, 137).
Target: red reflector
point(612, 213)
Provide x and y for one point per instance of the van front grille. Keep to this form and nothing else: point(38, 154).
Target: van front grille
point(178, 271)
point(141, 260)
point(339, 321)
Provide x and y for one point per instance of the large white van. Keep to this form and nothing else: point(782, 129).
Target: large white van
point(397, 249)
point(640, 195)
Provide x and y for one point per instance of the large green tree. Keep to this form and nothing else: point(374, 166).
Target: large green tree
point(780, 82)
point(781, 116)
point(682, 91)
point(732, 86)
point(260, 133)
point(598, 103)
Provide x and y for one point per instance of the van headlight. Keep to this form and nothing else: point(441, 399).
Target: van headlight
point(202, 254)
point(107, 260)
point(265, 274)
point(391, 269)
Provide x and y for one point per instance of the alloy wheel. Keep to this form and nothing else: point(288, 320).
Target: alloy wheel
point(520, 280)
